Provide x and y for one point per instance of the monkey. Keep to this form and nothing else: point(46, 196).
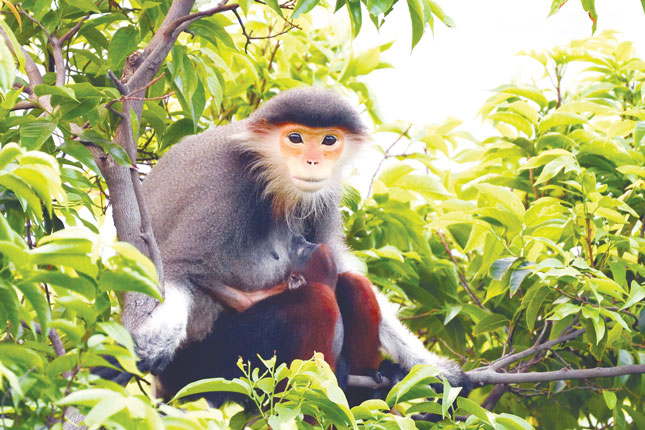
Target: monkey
point(306, 318)
point(225, 205)
point(291, 325)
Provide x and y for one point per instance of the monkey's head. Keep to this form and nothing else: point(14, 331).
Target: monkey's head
point(304, 137)
point(311, 262)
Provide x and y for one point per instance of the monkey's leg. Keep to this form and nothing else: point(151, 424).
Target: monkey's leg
point(161, 333)
point(361, 346)
point(361, 319)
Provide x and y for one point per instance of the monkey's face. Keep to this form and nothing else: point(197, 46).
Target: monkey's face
point(310, 154)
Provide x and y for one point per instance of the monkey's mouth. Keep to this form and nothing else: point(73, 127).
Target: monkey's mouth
point(311, 180)
point(309, 184)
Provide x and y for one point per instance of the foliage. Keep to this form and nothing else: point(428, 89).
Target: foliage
point(539, 232)
point(547, 212)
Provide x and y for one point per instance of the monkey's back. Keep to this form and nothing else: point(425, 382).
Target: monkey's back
point(228, 233)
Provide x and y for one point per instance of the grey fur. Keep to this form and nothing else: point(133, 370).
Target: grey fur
point(211, 203)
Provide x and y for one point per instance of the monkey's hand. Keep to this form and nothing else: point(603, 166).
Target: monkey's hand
point(243, 300)
point(390, 370)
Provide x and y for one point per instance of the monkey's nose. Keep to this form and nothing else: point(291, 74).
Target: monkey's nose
point(313, 162)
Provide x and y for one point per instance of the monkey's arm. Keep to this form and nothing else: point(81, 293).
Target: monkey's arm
point(242, 300)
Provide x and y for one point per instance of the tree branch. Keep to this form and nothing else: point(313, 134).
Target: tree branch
point(481, 378)
point(387, 151)
point(491, 377)
point(132, 221)
point(505, 361)
point(183, 22)
point(74, 29)
point(462, 278)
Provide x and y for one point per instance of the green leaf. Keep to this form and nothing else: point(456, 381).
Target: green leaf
point(418, 375)
point(36, 297)
point(624, 359)
point(104, 409)
point(636, 295)
point(9, 152)
point(416, 18)
point(556, 5)
point(610, 398)
point(504, 196)
point(82, 154)
point(117, 332)
point(557, 119)
point(590, 7)
point(514, 119)
point(355, 15)
point(639, 128)
point(535, 303)
point(473, 408)
point(512, 422)
point(529, 93)
point(89, 397)
point(123, 43)
point(21, 355)
point(273, 4)
point(115, 150)
point(18, 255)
point(23, 191)
point(214, 385)
point(424, 185)
point(490, 323)
point(392, 175)
point(126, 279)
point(379, 7)
point(499, 268)
point(517, 277)
point(303, 6)
point(597, 321)
point(439, 13)
point(65, 92)
point(448, 397)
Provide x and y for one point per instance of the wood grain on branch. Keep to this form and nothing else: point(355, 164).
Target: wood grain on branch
point(489, 377)
point(132, 220)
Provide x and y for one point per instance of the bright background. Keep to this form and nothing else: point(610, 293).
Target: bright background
point(452, 73)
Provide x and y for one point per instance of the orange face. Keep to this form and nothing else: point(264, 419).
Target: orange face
point(310, 154)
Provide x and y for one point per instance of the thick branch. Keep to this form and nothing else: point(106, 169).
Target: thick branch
point(492, 377)
point(59, 61)
point(480, 378)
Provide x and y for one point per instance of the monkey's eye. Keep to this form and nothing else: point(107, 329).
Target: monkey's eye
point(295, 138)
point(329, 140)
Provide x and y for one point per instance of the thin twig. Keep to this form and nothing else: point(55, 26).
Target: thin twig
point(387, 151)
point(35, 21)
point(505, 361)
point(148, 85)
point(462, 278)
point(74, 29)
point(181, 23)
point(123, 89)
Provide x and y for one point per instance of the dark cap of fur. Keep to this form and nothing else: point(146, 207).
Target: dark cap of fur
point(311, 107)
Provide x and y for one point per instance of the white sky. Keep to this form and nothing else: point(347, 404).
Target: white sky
point(452, 73)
